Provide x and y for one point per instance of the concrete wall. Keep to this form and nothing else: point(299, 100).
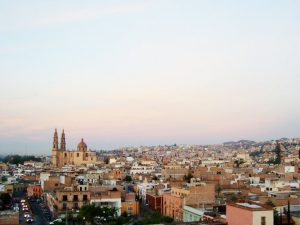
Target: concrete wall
point(237, 216)
point(257, 215)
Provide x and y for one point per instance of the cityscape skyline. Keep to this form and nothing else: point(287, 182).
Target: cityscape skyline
point(131, 73)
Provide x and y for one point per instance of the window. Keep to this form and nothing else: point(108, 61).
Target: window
point(65, 198)
point(263, 220)
point(77, 154)
point(129, 208)
point(64, 205)
point(85, 198)
point(86, 154)
point(75, 206)
point(75, 198)
point(65, 154)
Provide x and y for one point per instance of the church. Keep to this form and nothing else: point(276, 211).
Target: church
point(61, 156)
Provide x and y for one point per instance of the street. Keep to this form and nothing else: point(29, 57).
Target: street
point(38, 214)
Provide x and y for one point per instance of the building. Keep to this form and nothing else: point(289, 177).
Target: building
point(248, 213)
point(9, 217)
point(61, 156)
point(34, 191)
point(200, 195)
point(61, 201)
point(141, 169)
point(107, 198)
point(191, 214)
point(154, 201)
point(130, 204)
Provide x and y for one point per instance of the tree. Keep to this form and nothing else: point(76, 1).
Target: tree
point(188, 177)
point(128, 178)
point(238, 162)
point(154, 178)
point(289, 214)
point(278, 153)
point(4, 179)
point(232, 197)
point(276, 217)
point(90, 212)
point(17, 159)
point(5, 199)
point(218, 190)
point(167, 219)
point(106, 160)
point(270, 203)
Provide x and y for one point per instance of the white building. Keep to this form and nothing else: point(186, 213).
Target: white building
point(137, 169)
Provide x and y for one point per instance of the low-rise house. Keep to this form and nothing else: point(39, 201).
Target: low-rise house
point(109, 198)
point(130, 204)
point(9, 217)
point(200, 195)
point(248, 213)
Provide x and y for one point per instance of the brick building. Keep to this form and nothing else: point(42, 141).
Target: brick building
point(202, 194)
point(154, 201)
point(34, 191)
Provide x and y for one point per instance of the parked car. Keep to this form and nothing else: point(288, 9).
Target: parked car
point(29, 220)
point(27, 215)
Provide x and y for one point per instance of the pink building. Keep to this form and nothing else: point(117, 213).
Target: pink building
point(248, 214)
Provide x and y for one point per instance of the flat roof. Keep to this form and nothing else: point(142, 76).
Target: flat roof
point(252, 206)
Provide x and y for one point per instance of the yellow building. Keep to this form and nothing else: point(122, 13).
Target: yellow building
point(61, 156)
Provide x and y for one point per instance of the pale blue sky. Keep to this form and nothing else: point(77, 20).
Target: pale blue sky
point(122, 73)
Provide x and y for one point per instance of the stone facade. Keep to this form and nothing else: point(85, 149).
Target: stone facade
point(61, 156)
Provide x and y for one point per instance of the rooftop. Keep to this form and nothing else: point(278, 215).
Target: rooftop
point(253, 206)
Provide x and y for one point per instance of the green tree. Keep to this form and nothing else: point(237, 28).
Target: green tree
point(167, 219)
point(188, 177)
point(278, 153)
point(276, 217)
point(232, 197)
point(218, 190)
point(238, 162)
point(6, 200)
point(17, 159)
point(270, 203)
point(128, 178)
point(90, 212)
point(289, 214)
point(154, 178)
point(106, 160)
point(3, 179)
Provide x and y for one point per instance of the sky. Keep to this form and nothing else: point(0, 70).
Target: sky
point(147, 72)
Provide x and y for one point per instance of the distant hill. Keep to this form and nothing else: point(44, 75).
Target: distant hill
point(240, 143)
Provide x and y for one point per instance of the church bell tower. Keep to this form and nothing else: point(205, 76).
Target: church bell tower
point(54, 160)
point(63, 141)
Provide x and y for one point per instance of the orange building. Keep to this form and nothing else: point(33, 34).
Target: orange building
point(198, 195)
point(249, 214)
point(9, 217)
point(129, 204)
point(34, 191)
point(64, 200)
point(55, 183)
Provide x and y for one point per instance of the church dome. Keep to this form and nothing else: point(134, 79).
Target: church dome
point(82, 146)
